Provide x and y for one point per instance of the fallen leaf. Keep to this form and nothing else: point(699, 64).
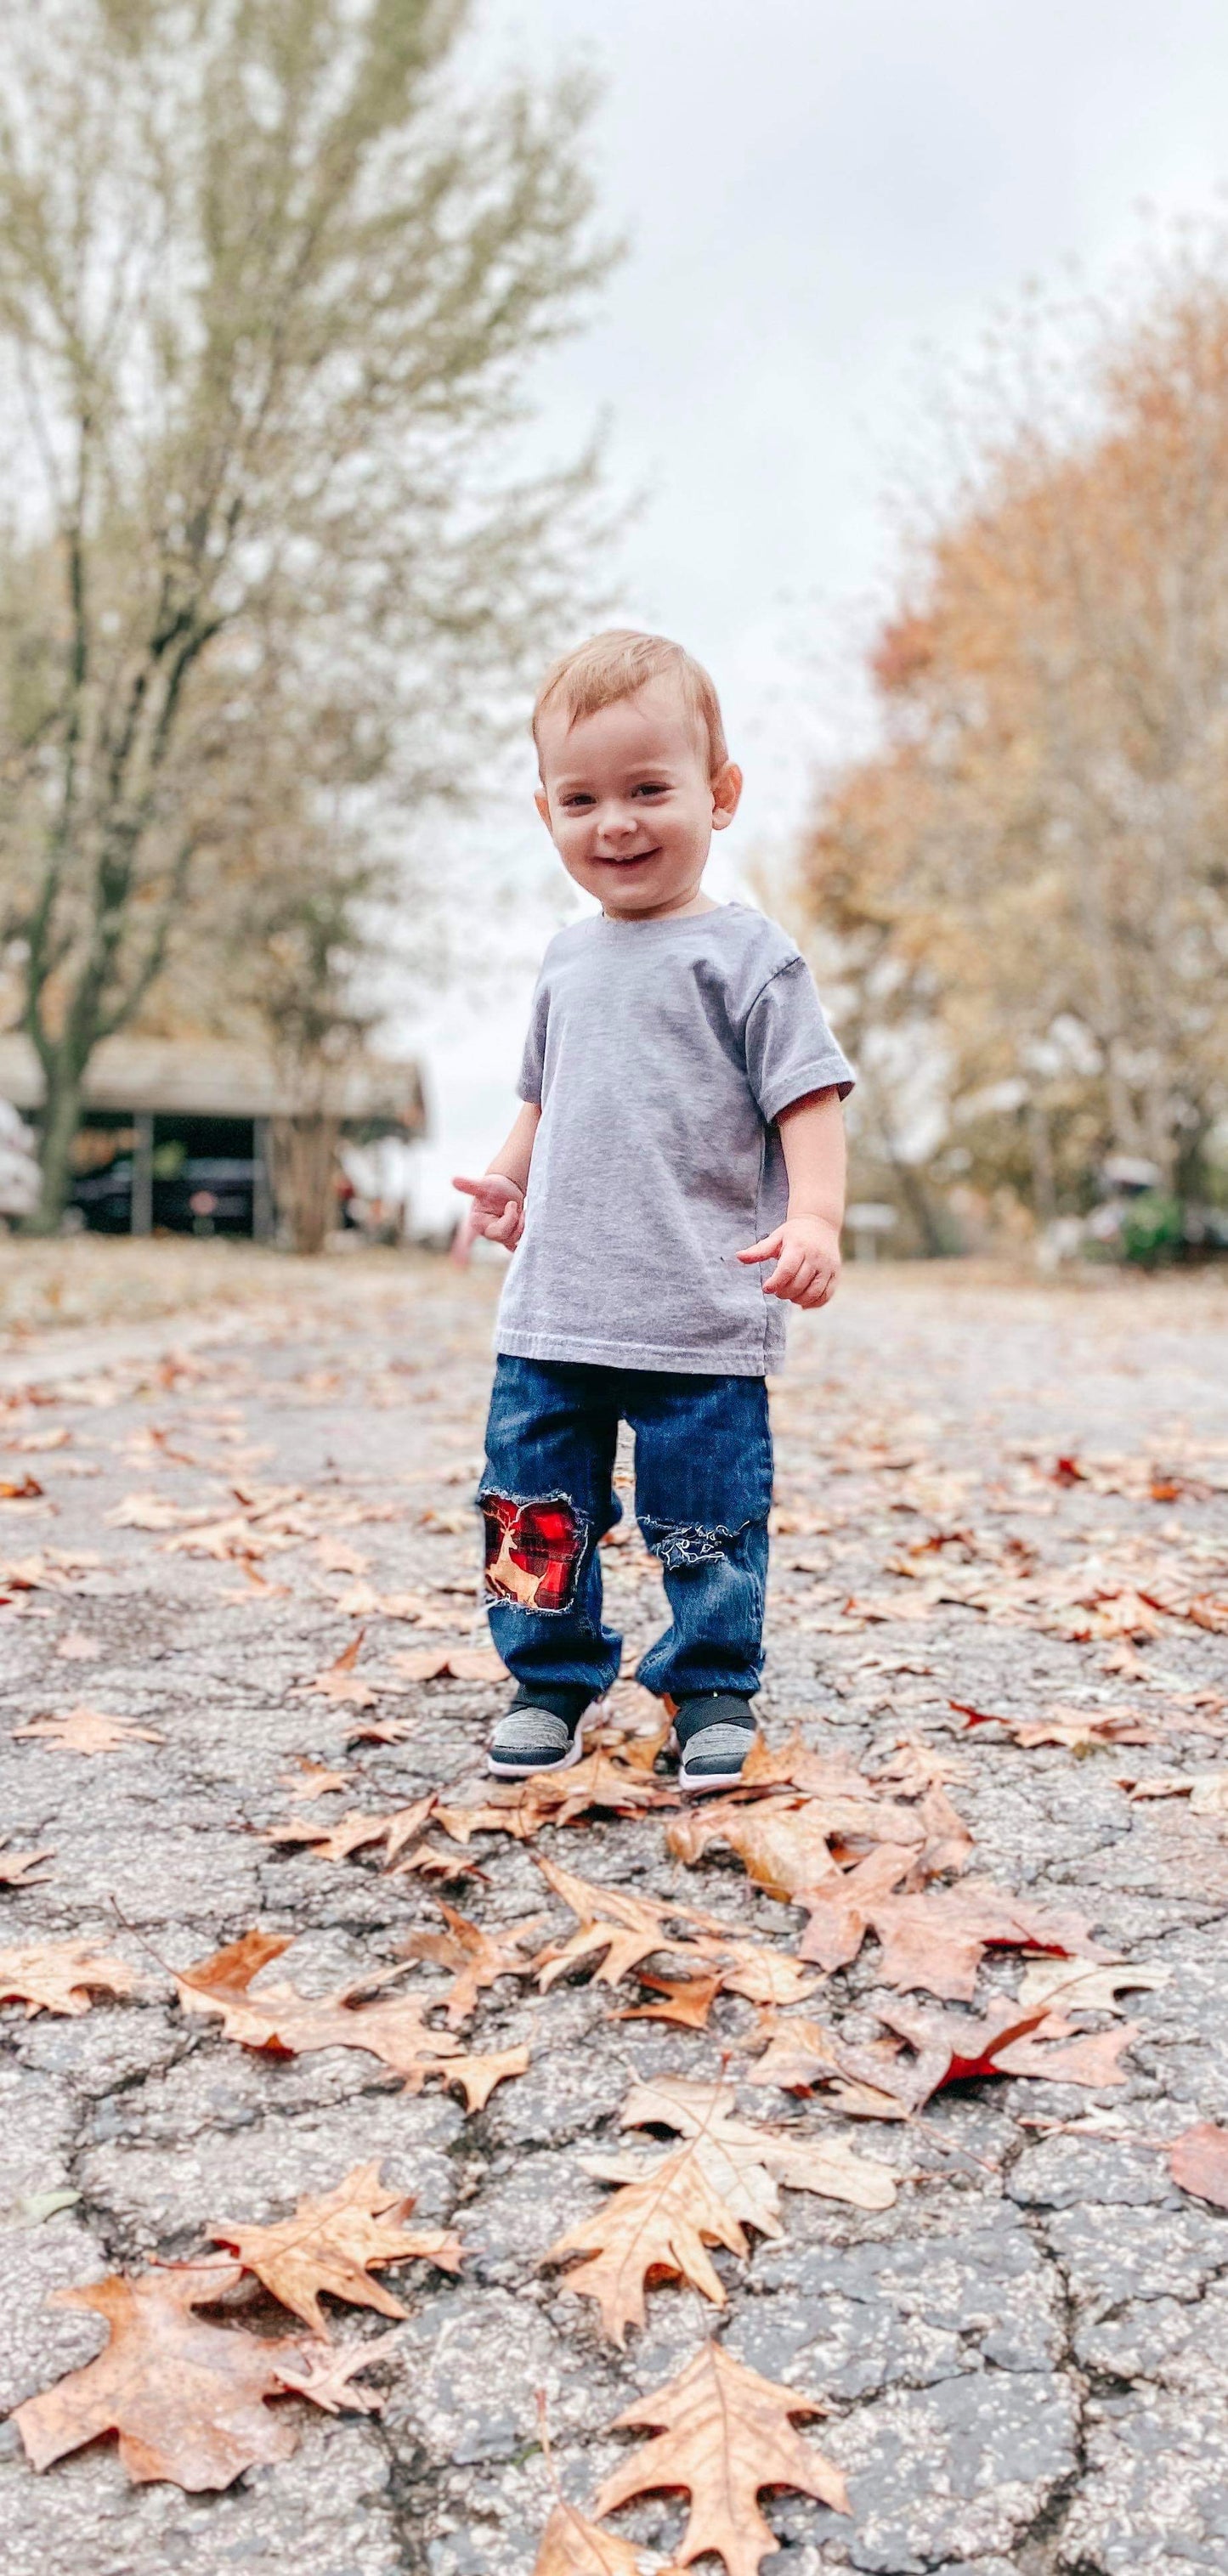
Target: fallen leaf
point(462, 1663)
point(557, 1798)
point(314, 1780)
point(15, 1867)
point(956, 2048)
point(1198, 2161)
point(662, 2221)
point(1067, 1983)
point(1080, 1729)
point(798, 2157)
point(186, 2397)
point(19, 1489)
point(338, 1557)
point(353, 1832)
point(326, 2372)
point(623, 1931)
point(783, 1845)
point(724, 2433)
point(685, 2001)
point(570, 2546)
point(280, 2019)
point(937, 1940)
point(479, 1958)
point(331, 2244)
point(339, 1681)
point(867, 2080)
point(75, 1647)
point(60, 1976)
point(86, 1730)
point(155, 1512)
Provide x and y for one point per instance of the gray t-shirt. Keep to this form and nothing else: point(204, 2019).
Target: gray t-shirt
point(661, 1053)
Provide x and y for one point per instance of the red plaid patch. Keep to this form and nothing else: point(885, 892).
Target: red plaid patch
point(533, 1552)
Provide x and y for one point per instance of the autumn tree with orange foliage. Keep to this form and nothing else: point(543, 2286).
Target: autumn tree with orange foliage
point(1027, 882)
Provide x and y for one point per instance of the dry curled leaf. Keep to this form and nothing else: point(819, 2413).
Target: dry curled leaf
point(280, 2019)
point(60, 1977)
point(16, 1867)
point(188, 2398)
point(1079, 1729)
point(956, 2048)
point(358, 1832)
point(622, 1931)
point(1198, 2161)
point(937, 1940)
point(332, 2243)
point(867, 2081)
point(459, 1662)
point(723, 2434)
point(340, 1683)
point(477, 1957)
point(800, 2157)
point(86, 1730)
point(662, 2221)
point(1067, 1983)
point(570, 2546)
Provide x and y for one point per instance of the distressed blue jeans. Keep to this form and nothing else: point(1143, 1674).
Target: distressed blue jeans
point(703, 1485)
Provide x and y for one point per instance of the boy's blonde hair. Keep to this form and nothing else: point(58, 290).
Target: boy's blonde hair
point(615, 665)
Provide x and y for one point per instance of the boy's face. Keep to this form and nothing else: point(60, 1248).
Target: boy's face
point(628, 802)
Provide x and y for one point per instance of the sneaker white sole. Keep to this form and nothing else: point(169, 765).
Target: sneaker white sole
point(708, 1781)
point(512, 1770)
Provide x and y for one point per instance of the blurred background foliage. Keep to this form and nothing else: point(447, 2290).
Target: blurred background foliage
point(1019, 898)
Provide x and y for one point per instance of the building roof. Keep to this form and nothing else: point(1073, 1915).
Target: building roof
point(217, 1078)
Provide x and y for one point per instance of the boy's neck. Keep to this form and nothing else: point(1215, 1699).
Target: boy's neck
point(696, 902)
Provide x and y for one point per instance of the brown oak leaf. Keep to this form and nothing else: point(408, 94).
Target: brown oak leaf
point(623, 1931)
point(86, 1730)
point(340, 1683)
point(187, 2397)
point(801, 2158)
point(661, 2222)
point(357, 1832)
point(331, 2243)
point(477, 1957)
point(937, 1940)
point(462, 1663)
point(280, 2019)
point(723, 2434)
point(1198, 2161)
point(59, 1977)
point(570, 2546)
point(867, 2080)
point(956, 2048)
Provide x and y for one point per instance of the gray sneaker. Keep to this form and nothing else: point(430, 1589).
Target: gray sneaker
point(532, 1739)
point(713, 1734)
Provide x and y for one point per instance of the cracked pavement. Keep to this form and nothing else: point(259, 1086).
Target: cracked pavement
point(1025, 2359)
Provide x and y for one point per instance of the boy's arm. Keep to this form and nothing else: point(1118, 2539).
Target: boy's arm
point(806, 1248)
point(497, 1195)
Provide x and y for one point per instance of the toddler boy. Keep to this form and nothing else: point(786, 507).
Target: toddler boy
point(681, 1127)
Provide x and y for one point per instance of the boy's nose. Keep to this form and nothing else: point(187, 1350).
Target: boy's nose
point(617, 823)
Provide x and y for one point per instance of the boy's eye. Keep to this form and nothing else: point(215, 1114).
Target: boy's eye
point(651, 787)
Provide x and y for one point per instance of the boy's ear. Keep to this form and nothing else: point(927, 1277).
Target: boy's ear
point(726, 795)
point(542, 802)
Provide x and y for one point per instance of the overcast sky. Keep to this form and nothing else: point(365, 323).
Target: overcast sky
point(815, 191)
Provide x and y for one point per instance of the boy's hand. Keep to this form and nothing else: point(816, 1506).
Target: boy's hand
point(497, 1212)
point(806, 1251)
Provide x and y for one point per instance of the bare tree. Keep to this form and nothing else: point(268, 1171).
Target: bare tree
point(270, 275)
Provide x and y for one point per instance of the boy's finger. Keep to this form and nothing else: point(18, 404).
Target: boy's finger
point(765, 1251)
point(789, 1271)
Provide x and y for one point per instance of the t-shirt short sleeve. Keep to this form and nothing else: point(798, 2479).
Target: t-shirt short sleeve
point(789, 1048)
point(533, 1061)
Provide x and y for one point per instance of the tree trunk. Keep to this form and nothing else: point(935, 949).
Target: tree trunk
point(304, 1157)
point(61, 1117)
